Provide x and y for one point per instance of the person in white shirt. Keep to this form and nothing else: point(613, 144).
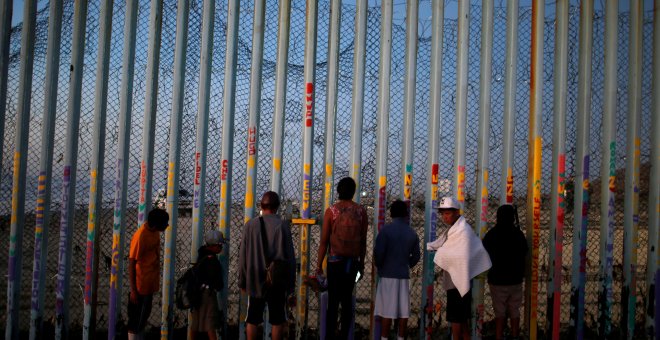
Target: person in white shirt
point(461, 256)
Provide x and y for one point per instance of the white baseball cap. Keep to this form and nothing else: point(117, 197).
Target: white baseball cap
point(214, 237)
point(449, 202)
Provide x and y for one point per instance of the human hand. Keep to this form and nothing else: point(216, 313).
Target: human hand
point(133, 296)
point(292, 301)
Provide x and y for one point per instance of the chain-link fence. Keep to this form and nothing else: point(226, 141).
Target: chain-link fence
point(292, 157)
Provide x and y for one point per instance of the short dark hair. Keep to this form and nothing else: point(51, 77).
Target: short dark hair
point(398, 209)
point(346, 188)
point(158, 218)
point(270, 201)
point(506, 215)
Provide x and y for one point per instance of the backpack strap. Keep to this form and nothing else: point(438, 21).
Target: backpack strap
point(264, 240)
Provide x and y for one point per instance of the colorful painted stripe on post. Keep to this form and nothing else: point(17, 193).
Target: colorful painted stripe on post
point(142, 207)
point(304, 258)
point(91, 235)
point(632, 289)
point(116, 244)
point(483, 228)
point(11, 270)
point(483, 214)
point(328, 185)
point(509, 186)
point(461, 185)
point(64, 235)
point(583, 249)
point(223, 206)
point(38, 239)
point(536, 231)
point(429, 278)
point(407, 189)
point(559, 243)
point(382, 204)
point(306, 210)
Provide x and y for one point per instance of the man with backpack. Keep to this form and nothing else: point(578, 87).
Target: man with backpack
point(208, 273)
point(344, 239)
point(266, 242)
point(144, 271)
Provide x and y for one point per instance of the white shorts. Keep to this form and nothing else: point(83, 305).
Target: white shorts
point(393, 298)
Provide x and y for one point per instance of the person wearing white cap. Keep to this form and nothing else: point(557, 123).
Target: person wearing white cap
point(461, 256)
point(206, 316)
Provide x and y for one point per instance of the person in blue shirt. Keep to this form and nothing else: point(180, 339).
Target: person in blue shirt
point(396, 251)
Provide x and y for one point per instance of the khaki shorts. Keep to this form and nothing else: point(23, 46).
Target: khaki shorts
point(506, 300)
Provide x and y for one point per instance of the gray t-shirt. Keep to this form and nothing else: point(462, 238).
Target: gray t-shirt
point(252, 260)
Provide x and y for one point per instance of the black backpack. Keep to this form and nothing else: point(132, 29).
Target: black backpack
point(188, 293)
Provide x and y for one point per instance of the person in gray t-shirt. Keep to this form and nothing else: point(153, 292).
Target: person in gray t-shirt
point(252, 266)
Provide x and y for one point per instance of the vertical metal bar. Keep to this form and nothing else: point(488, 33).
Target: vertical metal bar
point(254, 107)
point(652, 272)
point(357, 107)
point(384, 74)
point(534, 167)
point(121, 180)
point(485, 81)
point(412, 14)
point(311, 19)
point(201, 142)
point(6, 9)
point(510, 90)
point(608, 170)
point(331, 116)
point(331, 100)
point(96, 169)
point(631, 204)
point(253, 120)
point(150, 107)
point(581, 207)
point(301, 319)
point(284, 19)
point(226, 158)
point(179, 80)
point(20, 165)
point(63, 291)
point(557, 205)
point(432, 167)
point(42, 218)
point(461, 99)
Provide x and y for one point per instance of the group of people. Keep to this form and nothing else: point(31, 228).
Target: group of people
point(459, 253)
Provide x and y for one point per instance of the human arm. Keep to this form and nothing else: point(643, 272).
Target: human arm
point(242, 260)
point(325, 239)
point(380, 249)
point(290, 255)
point(132, 281)
point(363, 245)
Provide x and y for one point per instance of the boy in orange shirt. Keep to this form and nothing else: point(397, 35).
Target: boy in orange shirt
point(144, 270)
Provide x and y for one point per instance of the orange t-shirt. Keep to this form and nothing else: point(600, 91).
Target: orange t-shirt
point(145, 250)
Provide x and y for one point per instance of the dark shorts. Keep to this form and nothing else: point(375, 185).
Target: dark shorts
point(459, 309)
point(138, 314)
point(276, 309)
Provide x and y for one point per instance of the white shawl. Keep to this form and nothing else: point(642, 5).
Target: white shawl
point(461, 254)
